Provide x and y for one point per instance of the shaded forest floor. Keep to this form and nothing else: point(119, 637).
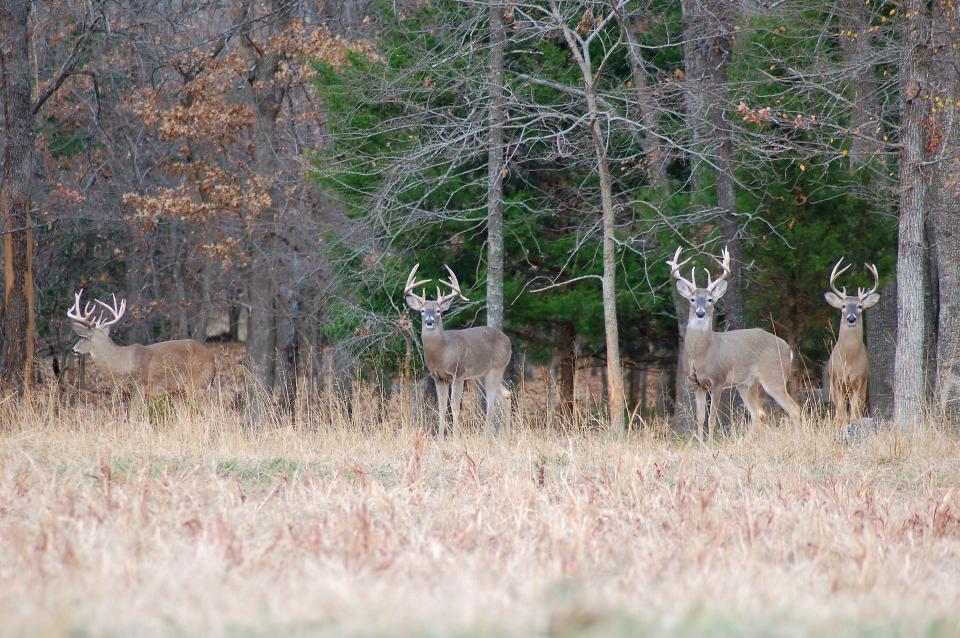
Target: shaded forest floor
point(201, 526)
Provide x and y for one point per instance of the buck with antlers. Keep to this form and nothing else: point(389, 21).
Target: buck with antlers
point(454, 356)
point(743, 359)
point(161, 368)
point(849, 367)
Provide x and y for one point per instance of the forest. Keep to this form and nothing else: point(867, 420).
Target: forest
point(267, 172)
point(255, 253)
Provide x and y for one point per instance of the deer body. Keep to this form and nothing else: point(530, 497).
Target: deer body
point(161, 368)
point(848, 368)
point(747, 360)
point(455, 356)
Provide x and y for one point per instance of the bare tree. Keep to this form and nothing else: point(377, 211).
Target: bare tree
point(495, 168)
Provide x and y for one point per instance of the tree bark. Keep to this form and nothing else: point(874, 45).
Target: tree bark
point(614, 369)
point(857, 43)
point(268, 95)
point(567, 343)
point(707, 45)
point(909, 373)
point(16, 337)
point(655, 157)
point(495, 169)
point(945, 213)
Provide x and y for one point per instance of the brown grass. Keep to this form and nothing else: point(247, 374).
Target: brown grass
point(201, 526)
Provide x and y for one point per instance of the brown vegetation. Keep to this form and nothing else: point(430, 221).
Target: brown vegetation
point(202, 526)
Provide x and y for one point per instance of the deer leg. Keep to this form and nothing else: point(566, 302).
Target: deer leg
point(491, 386)
point(856, 402)
point(751, 398)
point(700, 408)
point(456, 394)
point(778, 392)
point(714, 409)
point(443, 391)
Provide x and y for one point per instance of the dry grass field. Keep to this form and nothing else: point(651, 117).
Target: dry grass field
point(201, 526)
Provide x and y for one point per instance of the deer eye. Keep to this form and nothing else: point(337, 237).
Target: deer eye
point(709, 299)
point(859, 306)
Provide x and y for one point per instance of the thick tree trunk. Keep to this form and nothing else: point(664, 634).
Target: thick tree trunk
point(909, 375)
point(268, 95)
point(495, 169)
point(16, 335)
point(857, 43)
point(880, 325)
point(707, 45)
point(945, 214)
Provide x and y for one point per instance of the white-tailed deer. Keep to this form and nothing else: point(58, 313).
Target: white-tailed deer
point(161, 368)
point(849, 367)
point(743, 359)
point(454, 356)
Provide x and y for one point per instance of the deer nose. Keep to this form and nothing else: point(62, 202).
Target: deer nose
point(429, 321)
point(701, 313)
point(852, 319)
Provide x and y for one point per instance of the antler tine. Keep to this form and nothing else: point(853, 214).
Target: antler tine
point(675, 268)
point(724, 264)
point(834, 274)
point(411, 284)
point(454, 284)
point(114, 310)
point(876, 282)
point(81, 317)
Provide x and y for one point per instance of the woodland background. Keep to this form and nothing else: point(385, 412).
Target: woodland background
point(270, 171)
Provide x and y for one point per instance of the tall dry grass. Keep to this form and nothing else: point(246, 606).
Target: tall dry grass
point(328, 526)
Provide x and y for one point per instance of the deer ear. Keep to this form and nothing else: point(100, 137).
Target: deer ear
point(685, 289)
point(105, 330)
point(445, 305)
point(870, 300)
point(414, 303)
point(834, 300)
point(719, 289)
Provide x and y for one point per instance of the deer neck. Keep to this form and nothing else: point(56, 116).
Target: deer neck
point(850, 337)
point(118, 359)
point(432, 338)
point(699, 337)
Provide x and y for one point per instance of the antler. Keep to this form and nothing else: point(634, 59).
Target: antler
point(876, 282)
point(84, 318)
point(834, 274)
point(411, 284)
point(675, 269)
point(725, 264)
point(114, 310)
point(454, 286)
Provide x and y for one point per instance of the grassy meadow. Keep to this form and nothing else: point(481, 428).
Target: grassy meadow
point(199, 525)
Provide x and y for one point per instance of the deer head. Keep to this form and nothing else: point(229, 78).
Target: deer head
point(702, 300)
point(851, 307)
point(432, 311)
point(93, 331)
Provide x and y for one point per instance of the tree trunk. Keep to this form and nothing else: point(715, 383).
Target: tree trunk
point(268, 95)
point(567, 343)
point(855, 16)
point(880, 325)
point(946, 216)
point(614, 370)
point(16, 336)
point(495, 170)
point(909, 374)
point(654, 156)
point(707, 45)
